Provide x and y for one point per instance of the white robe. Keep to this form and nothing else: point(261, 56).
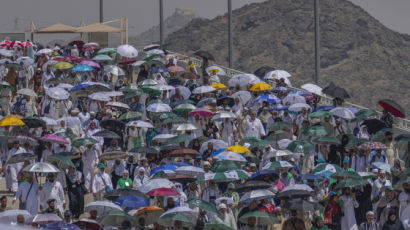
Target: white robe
point(254, 128)
point(52, 191)
point(139, 181)
point(348, 221)
point(90, 158)
point(228, 129)
point(12, 170)
point(98, 183)
point(32, 199)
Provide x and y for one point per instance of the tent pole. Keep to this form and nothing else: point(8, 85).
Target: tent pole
point(126, 30)
point(121, 35)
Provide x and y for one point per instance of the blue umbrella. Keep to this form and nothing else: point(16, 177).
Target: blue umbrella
point(217, 152)
point(132, 201)
point(268, 98)
point(158, 70)
point(327, 173)
point(206, 101)
point(301, 92)
point(280, 89)
point(82, 68)
point(383, 166)
point(324, 108)
point(164, 167)
point(278, 107)
point(264, 172)
point(311, 177)
point(60, 225)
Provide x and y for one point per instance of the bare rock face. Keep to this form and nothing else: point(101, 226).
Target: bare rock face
point(179, 19)
point(358, 53)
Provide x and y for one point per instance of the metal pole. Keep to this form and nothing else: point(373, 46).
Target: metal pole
point(161, 22)
point(317, 44)
point(101, 11)
point(230, 43)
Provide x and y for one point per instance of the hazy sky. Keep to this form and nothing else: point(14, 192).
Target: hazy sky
point(143, 14)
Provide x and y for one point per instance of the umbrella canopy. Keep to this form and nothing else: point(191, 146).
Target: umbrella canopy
point(253, 185)
point(215, 70)
point(163, 192)
point(353, 143)
point(82, 68)
point(42, 167)
point(159, 108)
point(382, 166)
point(260, 87)
point(107, 51)
point(57, 93)
point(88, 224)
point(261, 71)
point(302, 146)
point(168, 220)
point(296, 190)
point(293, 99)
point(106, 134)
point(230, 156)
point(27, 92)
point(262, 218)
point(312, 88)
point(342, 112)
point(315, 131)
point(297, 107)
point(144, 150)
point(319, 114)
point(155, 183)
point(276, 75)
point(256, 195)
point(374, 125)
point(189, 213)
point(54, 139)
point(140, 124)
point(191, 171)
point(10, 216)
point(223, 166)
point(34, 122)
point(346, 174)
point(60, 225)
point(205, 55)
point(63, 65)
point(46, 218)
point(113, 155)
point(244, 96)
point(327, 167)
point(327, 140)
point(62, 161)
point(303, 205)
point(276, 165)
point(186, 107)
point(114, 194)
point(351, 183)
point(184, 152)
point(394, 108)
point(83, 142)
point(11, 121)
point(203, 89)
point(202, 204)
point(132, 201)
point(150, 214)
point(127, 51)
point(221, 116)
point(186, 127)
point(116, 218)
point(112, 124)
point(201, 112)
point(21, 157)
point(189, 75)
point(101, 58)
point(363, 114)
point(335, 91)
point(372, 145)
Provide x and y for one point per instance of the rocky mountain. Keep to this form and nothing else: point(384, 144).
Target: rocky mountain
point(358, 53)
point(179, 19)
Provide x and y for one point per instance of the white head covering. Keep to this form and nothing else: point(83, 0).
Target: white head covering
point(221, 206)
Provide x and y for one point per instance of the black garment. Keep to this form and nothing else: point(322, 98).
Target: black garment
point(396, 225)
point(76, 193)
point(388, 119)
point(130, 167)
point(334, 156)
point(142, 75)
point(365, 203)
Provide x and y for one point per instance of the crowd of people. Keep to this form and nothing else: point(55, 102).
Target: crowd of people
point(156, 142)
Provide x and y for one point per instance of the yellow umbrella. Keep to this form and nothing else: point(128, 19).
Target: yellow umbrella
point(261, 87)
point(63, 65)
point(219, 86)
point(11, 121)
point(238, 149)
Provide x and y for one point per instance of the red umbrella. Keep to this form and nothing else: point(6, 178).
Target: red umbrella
point(372, 145)
point(394, 108)
point(5, 43)
point(183, 152)
point(88, 224)
point(58, 59)
point(70, 58)
point(78, 43)
point(163, 192)
point(176, 69)
point(79, 60)
point(128, 60)
point(92, 47)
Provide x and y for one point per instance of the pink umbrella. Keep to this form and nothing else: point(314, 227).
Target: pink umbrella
point(92, 47)
point(128, 60)
point(79, 60)
point(24, 139)
point(176, 69)
point(118, 104)
point(372, 145)
point(163, 192)
point(54, 138)
point(90, 63)
point(70, 58)
point(201, 112)
point(58, 59)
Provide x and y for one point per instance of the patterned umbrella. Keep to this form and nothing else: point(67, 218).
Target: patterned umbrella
point(54, 138)
point(230, 156)
point(372, 145)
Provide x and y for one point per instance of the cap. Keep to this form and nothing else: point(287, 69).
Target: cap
point(221, 206)
point(125, 171)
point(76, 110)
point(68, 213)
point(382, 171)
point(101, 166)
point(231, 186)
point(141, 169)
point(92, 113)
point(50, 200)
point(252, 165)
point(246, 145)
point(206, 163)
point(389, 188)
point(346, 160)
point(375, 171)
point(292, 159)
point(369, 213)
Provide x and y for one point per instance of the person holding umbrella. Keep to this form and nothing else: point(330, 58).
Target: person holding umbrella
point(27, 194)
point(76, 191)
point(101, 183)
point(225, 219)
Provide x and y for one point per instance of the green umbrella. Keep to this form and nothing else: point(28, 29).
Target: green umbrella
point(16, 66)
point(162, 116)
point(155, 101)
point(66, 134)
point(346, 174)
point(200, 139)
point(116, 218)
point(250, 140)
point(399, 184)
point(353, 143)
point(173, 120)
point(276, 165)
point(176, 103)
point(223, 166)
point(280, 125)
point(302, 146)
point(217, 227)
point(319, 114)
point(204, 205)
point(152, 57)
point(326, 140)
point(177, 139)
point(130, 88)
point(107, 51)
point(33, 122)
point(262, 218)
point(168, 220)
point(380, 135)
point(315, 131)
point(133, 94)
point(5, 84)
point(278, 135)
point(351, 183)
point(83, 142)
point(363, 113)
point(326, 166)
point(62, 161)
point(101, 58)
point(186, 107)
point(130, 115)
point(149, 90)
point(229, 175)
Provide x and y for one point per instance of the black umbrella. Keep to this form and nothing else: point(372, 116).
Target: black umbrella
point(374, 125)
point(200, 139)
point(106, 134)
point(394, 108)
point(112, 124)
point(205, 55)
point(225, 101)
point(34, 122)
point(21, 157)
point(253, 185)
point(145, 150)
point(262, 71)
point(335, 91)
point(170, 148)
point(114, 194)
point(401, 136)
point(303, 205)
point(69, 155)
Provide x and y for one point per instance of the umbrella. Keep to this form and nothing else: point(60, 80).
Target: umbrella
point(114, 194)
point(327, 140)
point(244, 96)
point(163, 192)
point(150, 214)
point(155, 183)
point(189, 213)
point(44, 51)
point(190, 171)
point(335, 91)
point(297, 107)
point(88, 224)
point(293, 99)
point(112, 155)
point(91, 86)
point(186, 107)
point(176, 139)
point(65, 86)
point(83, 142)
point(268, 98)
point(315, 131)
point(112, 124)
point(302, 146)
point(54, 138)
point(260, 87)
point(218, 86)
point(218, 70)
point(42, 167)
point(189, 75)
point(346, 174)
point(130, 115)
point(46, 218)
point(140, 124)
point(223, 166)
point(100, 96)
point(231, 175)
point(62, 161)
point(217, 144)
point(351, 183)
point(82, 68)
point(392, 107)
point(278, 153)
point(176, 69)
point(253, 185)
point(186, 127)
point(158, 108)
point(63, 65)
point(203, 89)
point(258, 194)
point(342, 112)
point(355, 142)
point(163, 87)
point(57, 93)
point(382, 166)
point(107, 51)
point(230, 156)
point(279, 125)
point(303, 205)
point(327, 167)
point(319, 114)
point(202, 204)
point(205, 55)
point(116, 218)
point(22, 139)
point(261, 71)
point(90, 63)
point(276, 74)
point(126, 61)
point(276, 165)
point(222, 101)
point(34, 122)
point(60, 225)
point(296, 190)
point(11, 121)
point(311, 177)
point(184, 152)
point(262, 218)
point(21, 157)
point(168, 220)
point(401, 182)
point(101, 58)
point(144, 150)
point(312, 88)
point(372, 145)
point(201, 112)
point(264, 174)
point(363, 114)
point(114, 70)
point(221, 116)
point(132, 201)
point(163, 137)
point(10, 216)
point(118, 104)
point(170, 167)
point(238, 149)
point(27, 92)
point(127, 51)
point(374, 125)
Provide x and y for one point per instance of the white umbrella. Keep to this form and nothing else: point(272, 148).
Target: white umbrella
point(303, 187)
point(158, 108)
point(154, 51)
point(10, 216)
point(151, 47)
point(148, 82)
point(191, 171)
point(217, 144)
point(91, 44)
point(230, 156)
point(57, 93)
point(293, 99)
point(26, 60)
point(243, 80)
point(42, 167)
point(221, 116)
point(102, 207)
point(312, 88)
point(140, 124)
point(115, 93)
point(99, 96)
point(342, 112)
point(138, 63)
point(297, 107)
point(189, 213)
point(244, 96)
point(276, 74)
point(219, 71)
point(163, 87)
point(27, 92)
point(127, 51)
point(203, 89)
point(278, 153)
point(163, 137)
point(65, 86)
point(114, 70)
point(44, 51)
point(154, 184)
point(6, 53)
point(49, 121)
point(4, 60)
point(283, 144)
point(184, 91)
point(258, 194)
point(70, 121)
point(186, 127)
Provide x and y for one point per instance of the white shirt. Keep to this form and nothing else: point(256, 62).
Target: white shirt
point(32, 200)
point(98, 183)
point(52, 191)
point(254, 128)
point(139, 181)
point(83, 117)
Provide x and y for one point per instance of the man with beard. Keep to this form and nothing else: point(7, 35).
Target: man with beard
point(348, 221)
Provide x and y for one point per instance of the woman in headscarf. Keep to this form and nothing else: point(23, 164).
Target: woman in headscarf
point(76, 190)
point(393, 222)
point(388, 202)
point(91, 129)
point(363, 133)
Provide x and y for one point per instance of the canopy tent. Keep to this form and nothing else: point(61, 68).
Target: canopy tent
point(98, 27)
point(58, 28)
